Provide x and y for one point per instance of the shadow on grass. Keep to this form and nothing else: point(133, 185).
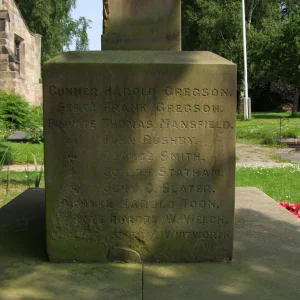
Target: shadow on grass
point(269, 116)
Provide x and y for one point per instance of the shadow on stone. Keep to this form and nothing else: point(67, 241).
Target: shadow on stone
point(26, 274)
point(22, 227)
point(124, 255)
point(265, 264)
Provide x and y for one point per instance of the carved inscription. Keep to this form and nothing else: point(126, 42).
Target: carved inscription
point(197, 91)
point(193, 219)
point(127, 92)
point(181, 156)
point(167, 91)
point(149, 118)
point(195, 235)
point(180, 203)
point(164, 172)
point(124, 107)
point(71, 124)
point(139, 149)
point(130, 220)
point(128, 124)
point(118, 140)
point(72, 91)
point(161, 108)
point(76, 107)
point(107, 156)
point(169, 140)
point(167, 123)
point(110, 172)
point(188, 108)
point(186, 188)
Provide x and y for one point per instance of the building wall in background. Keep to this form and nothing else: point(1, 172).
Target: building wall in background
point(20, 55)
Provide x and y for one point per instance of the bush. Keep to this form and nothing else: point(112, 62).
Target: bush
point(17, 114)
point(34, 125)
point(14, 110)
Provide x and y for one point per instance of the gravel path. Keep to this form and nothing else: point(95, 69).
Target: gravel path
point(260, 156)
point(21, 168)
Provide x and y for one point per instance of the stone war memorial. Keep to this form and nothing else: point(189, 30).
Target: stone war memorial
point(140, 150)
point(140, 193)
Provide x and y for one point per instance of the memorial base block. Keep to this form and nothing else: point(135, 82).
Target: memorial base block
point(140, 155)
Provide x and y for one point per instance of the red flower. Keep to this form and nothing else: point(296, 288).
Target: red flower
point(285, 204)
point(292, 208)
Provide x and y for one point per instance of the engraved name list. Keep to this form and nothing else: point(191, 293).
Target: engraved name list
point(144, 159)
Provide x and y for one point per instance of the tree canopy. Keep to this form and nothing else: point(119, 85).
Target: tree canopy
point(52, 19)
point(273, 31)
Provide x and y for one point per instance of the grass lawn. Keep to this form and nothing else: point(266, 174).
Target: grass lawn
point(264, 128)
point(281, 184)
point(20, 153)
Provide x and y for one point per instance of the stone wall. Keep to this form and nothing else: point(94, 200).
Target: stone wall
point(21, 73)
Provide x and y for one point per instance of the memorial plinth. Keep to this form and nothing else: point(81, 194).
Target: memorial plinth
point(140, 155)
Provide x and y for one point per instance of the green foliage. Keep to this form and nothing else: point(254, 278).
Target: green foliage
point(275, 48)
point(211, 25)
point(14, 110)
point(17, 114)
point(36, 114)
point(52, 19)
point(82, 44)
point(34, 125)
point(273, 36)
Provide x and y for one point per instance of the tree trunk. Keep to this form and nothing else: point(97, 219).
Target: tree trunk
point(296, 102)
point(250, 10)
point(240, 103)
